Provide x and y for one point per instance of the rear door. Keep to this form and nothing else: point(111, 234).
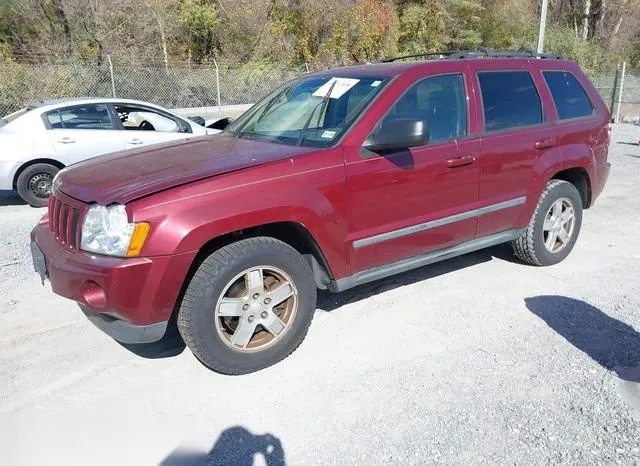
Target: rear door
point(516, 132)
point(80, 132)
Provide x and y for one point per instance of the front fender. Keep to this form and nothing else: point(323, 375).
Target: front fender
point(186, 218)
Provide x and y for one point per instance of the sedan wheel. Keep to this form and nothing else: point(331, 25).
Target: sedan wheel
point(34, 183)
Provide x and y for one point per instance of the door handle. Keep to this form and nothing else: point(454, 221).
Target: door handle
point(461, 161)
point(544, 143)
point(67, 140)
point(136, 141)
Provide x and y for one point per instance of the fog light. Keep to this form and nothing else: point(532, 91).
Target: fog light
point(93, 294)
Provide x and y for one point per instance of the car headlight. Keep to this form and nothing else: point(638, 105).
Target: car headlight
point(106, 230)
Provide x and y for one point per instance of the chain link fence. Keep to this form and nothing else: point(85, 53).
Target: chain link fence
point(172, 87)
point(194, 87)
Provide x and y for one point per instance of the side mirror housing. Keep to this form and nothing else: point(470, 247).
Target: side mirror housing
point(197, 119)
point(398, 134)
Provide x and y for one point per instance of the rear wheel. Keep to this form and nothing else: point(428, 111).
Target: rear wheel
point(34, 183)
point(554, 227)
point(248, 306)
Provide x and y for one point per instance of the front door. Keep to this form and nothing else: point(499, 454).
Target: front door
point(82, 131)
point(423, 198)
point(144, 126)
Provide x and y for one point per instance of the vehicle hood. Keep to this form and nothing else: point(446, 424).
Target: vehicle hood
point(127, 175)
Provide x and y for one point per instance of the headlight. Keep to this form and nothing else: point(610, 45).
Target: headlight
point(106, 230)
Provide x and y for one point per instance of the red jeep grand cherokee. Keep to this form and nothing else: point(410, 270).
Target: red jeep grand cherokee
point(333, 180)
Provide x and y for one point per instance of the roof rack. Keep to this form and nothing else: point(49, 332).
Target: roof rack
point(479, 53)
point(443, 54)
point(502, 54)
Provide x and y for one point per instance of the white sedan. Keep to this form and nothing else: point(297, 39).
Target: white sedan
point(39, 140)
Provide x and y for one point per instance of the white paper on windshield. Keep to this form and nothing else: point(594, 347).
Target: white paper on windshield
point(342, 86)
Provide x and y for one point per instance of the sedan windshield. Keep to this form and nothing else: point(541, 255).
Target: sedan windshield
point(312, 111)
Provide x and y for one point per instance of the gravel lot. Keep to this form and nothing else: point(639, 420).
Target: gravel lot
point(476, 360)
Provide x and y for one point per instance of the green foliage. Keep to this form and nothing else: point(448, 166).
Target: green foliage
point(422, 28)
point(372, 31)
point(562, 40)
point(509, 24)
point(197, 20)
point(290, 33)
point(463, 21)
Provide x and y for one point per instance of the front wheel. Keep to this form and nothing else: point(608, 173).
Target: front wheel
point(554, 227)
point(248, 306)
point(34, 183)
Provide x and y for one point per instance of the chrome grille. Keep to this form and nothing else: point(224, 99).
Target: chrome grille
point(64, 221)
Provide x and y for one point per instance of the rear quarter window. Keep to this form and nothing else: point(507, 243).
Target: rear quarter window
point(509, 100)
point(570, 98)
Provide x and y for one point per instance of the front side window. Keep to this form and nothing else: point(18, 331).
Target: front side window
point(81, 117)
point(144, 119)
point(509, 100)
point(440, 101)
point(568, 94)
point(314, 111)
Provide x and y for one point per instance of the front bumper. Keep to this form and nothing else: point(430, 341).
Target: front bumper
point(130, 299)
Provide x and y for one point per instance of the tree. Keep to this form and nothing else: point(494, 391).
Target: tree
point(422, 28)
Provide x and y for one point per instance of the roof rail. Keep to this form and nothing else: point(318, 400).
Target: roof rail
point(502, 54)
point(457, 54)
point(443, 54)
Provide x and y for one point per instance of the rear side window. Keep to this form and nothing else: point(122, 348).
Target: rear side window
point(83, 117)
point(509, 100)
point(568, 94)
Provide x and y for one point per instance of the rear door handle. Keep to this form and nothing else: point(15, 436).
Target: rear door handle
point(461, 161)
point(544, 144)
point(67, 140)
point(136, 141)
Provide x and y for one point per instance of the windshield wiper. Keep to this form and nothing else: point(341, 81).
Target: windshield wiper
point(324, 103)
point(238, 132)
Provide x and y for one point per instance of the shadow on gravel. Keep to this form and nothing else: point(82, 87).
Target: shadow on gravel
point(608, 341)
point(169, 346)
point(8, 198)
point(328, 301)
point(236, 446)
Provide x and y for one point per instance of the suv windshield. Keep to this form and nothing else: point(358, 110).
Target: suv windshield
point(312, 111)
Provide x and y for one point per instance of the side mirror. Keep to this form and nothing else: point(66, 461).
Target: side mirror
point(400, 133)
point(197, 119)
point(221, 124)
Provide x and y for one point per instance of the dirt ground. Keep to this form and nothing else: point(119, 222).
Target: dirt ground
point(479, 359)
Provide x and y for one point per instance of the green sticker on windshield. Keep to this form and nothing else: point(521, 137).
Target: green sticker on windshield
point(328, 134)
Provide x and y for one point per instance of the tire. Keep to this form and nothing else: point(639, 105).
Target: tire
point(34, 183)
point(238, 273)
point(530, 247)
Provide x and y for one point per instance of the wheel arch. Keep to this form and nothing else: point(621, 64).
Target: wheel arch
point(294, 234)
point(579, 177)
point(24, 166)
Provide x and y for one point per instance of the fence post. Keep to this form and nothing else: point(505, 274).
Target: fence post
point(218, 86)
point(113, 81)
point(624, 66)
point(613, 94)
